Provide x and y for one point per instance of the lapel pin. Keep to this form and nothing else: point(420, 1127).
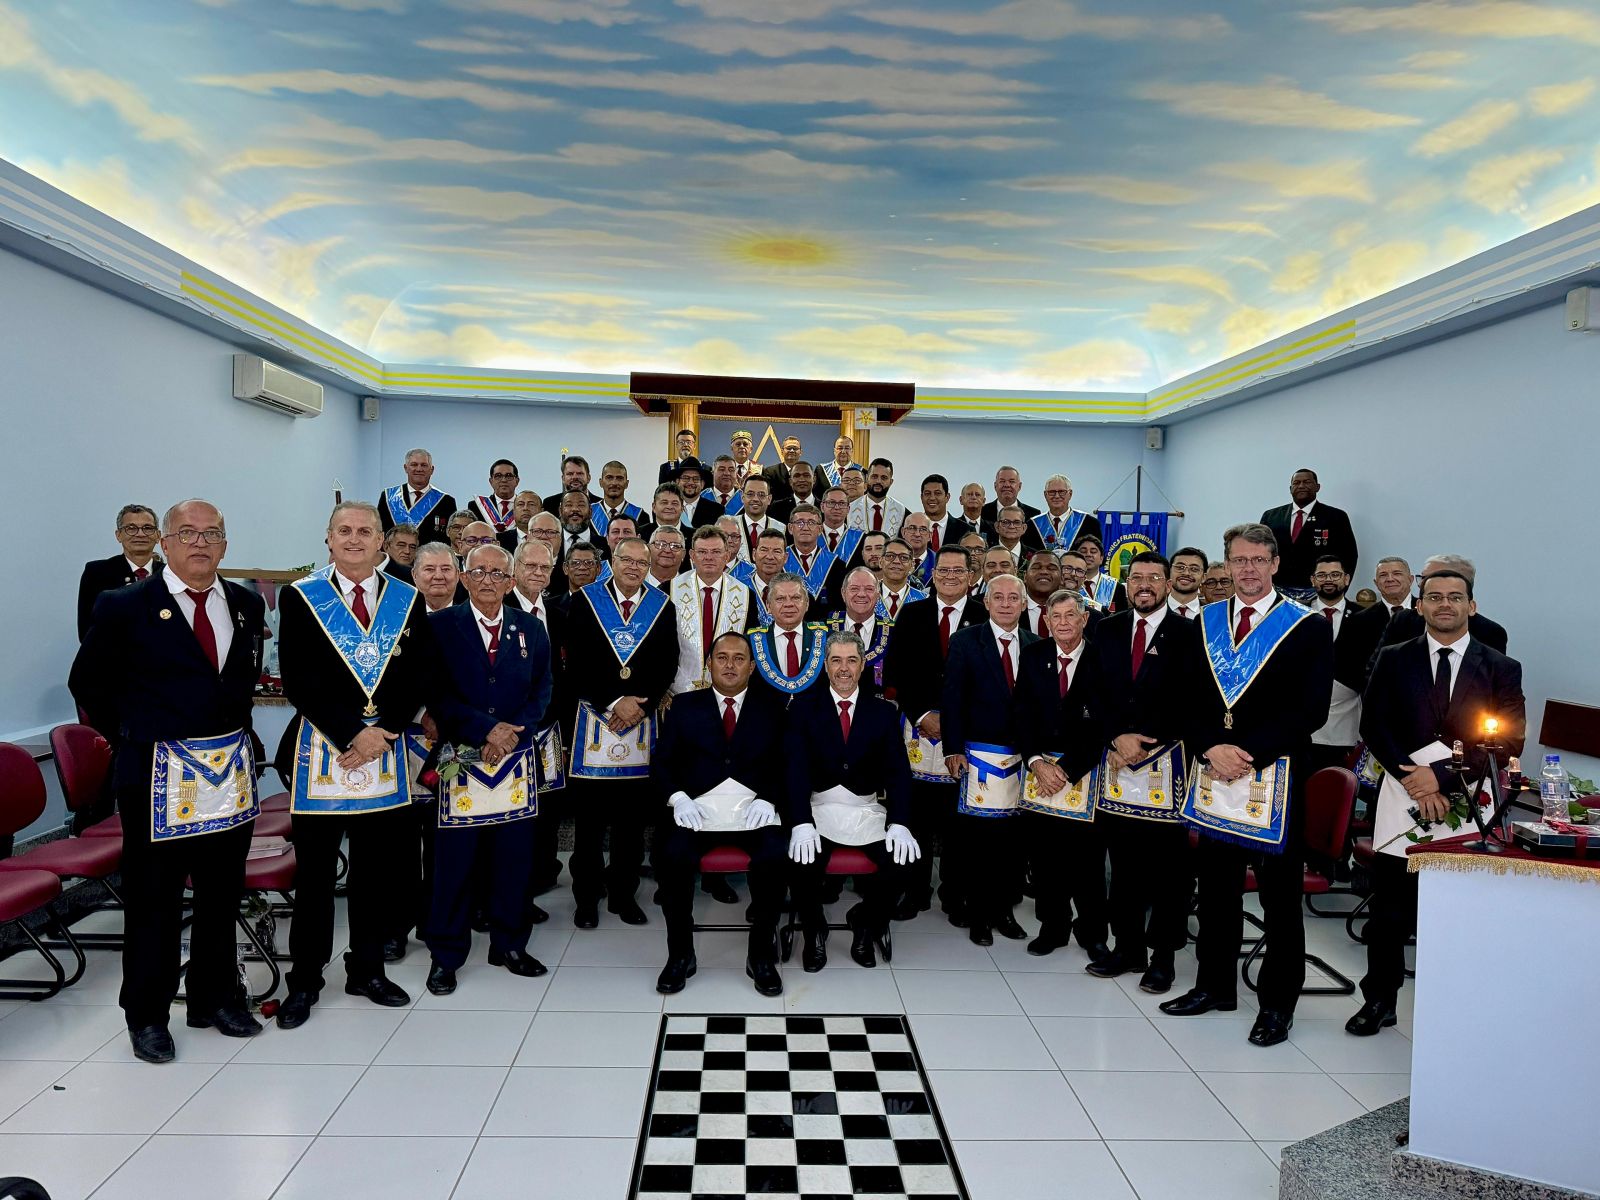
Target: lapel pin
point(165, 614)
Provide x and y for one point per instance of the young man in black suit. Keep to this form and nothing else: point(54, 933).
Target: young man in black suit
point(1408, 623)
point(138, 533)
point(1435, 688)
point(1267, 717)
point(717, 744)
point(170, 666)
point(978, 705)
point(358, 660)
point(417, 502)
point(913, 677)
point(1307, 529)
point(1151, 665)
point(574, 478)
point(843, 749)
point(700, 506)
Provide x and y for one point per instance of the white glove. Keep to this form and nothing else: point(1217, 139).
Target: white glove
point(898, 841)
point(760, 813)
point(804, 844)
point(686, 811)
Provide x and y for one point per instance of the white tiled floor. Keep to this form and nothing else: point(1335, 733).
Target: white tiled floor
point(1050, 1082)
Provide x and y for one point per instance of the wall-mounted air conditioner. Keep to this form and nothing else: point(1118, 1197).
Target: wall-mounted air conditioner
point(264, 383)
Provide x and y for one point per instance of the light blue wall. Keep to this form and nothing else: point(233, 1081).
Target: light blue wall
point(1483, 444)
point(104, 403)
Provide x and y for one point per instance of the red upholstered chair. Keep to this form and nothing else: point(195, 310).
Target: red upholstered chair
point(23, 893)
point(273, 874)
point(83, 760)
point(723, 860)
point(278, 802)
point(1330, 798)
point(21, 802)
point(845, 860)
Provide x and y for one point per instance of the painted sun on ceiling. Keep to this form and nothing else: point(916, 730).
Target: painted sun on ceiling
point(1038, 194)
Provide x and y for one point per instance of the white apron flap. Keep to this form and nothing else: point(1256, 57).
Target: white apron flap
point(848, 818)
point(482, 795)
point(992, 785)
point(1394, 821)
point(926, 757)
point(1074, 799)
point(597, 753)
point(725, 806)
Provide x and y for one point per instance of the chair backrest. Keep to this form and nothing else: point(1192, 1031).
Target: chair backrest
point(1330, 799)
point(82, 759)
point(21, 789)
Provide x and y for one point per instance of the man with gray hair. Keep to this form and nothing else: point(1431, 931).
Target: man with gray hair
point(789, 651)
point(1060, 525)
point(138, 534)
point(416, 501)
point(434, 575)
point(1408, 623)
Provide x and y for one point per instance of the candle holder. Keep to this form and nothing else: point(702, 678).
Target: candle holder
point(1499, 796)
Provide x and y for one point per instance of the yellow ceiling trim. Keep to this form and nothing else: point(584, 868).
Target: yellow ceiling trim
point(1323, 339)
point(509, 386)
point(527, 381)
point(953, 402)
point(245, 311)
point(1010, 406)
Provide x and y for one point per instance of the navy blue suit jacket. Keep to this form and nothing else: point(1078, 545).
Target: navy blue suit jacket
point(818, 757)
point(694, 754)
point(477, 697)
point(976, 705)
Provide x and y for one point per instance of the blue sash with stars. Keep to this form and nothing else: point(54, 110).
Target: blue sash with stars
point(365, 651)
point(601, 518)
point(396, 498)
point(822, 560)
point(1069, 528)
point(763, 644)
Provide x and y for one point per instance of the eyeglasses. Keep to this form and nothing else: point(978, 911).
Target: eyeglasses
point(477, 541)
point(502, 475)
point(1257, 562)
point(211, 537)
point(804, 523)
point(479, 574)
point(950, 572)
point(629, 562)
point(1325, 577)
point(139, 530)
point(897, 557)
point(678, 546)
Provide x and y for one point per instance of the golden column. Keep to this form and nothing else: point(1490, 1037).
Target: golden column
point(683, 414)
point(861, 439)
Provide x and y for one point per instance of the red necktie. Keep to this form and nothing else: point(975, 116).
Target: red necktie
point(944, 630)
point(1299, 522)
point(1183, 610)
point(894, 606)
point(1328, 612)
point(358, 605)
point(933, 542)
point(494, 638)
point(627, 609)
point(1044, 628)
point(791, 666)
point(1005, 661)
point(1064, 675)
point(844, 719)
point(805, 564)
point(728, 717)
point(203, 633)
point(141, 574)
point(755, 535)
point(707, 621)
point(724, 496)
point(1138, 646)
point(1245, 613)
point(877, 518)
point(537, 616)
point(833, 542)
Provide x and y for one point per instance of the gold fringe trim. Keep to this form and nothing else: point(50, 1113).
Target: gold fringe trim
point(1499, 865)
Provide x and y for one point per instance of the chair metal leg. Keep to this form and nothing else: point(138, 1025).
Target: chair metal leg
point(1343, 984)
point(1330, 912)
point(94, 941)
point(43, 989)
point(1359, 911)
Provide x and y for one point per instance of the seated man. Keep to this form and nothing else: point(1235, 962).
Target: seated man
point(718, 750)
point(843, 751)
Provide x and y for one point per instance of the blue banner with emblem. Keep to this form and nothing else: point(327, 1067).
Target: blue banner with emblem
point(1125, 534)
point(822, 561)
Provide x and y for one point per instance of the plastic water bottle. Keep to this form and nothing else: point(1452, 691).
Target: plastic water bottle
point(1554, 789)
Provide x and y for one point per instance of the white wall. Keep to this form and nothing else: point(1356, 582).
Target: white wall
point(105, 403)
point(1482, 444)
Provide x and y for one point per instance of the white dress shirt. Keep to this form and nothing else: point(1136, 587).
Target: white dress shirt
point(1258, 609)
point(134, 568)
point(216, 610)
point(866, 627)
point(959, 604)
point(1457, 648)
point(347, 589)
point(1065, 664)
point(1152, 622)
point(899, 597)
point(484, 624)
point(1036, 613)
point(1013, 651)
point(1340, 608)
point(833, 538)
point(1177, 606)
point(534, 606)
point(854, 698)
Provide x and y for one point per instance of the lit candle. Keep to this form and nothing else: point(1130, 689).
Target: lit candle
point(1491, 726)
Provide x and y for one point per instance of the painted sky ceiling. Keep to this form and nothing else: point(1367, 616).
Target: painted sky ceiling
point(1036, 194)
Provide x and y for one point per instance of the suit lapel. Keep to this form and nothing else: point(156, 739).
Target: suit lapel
point(1469, 681)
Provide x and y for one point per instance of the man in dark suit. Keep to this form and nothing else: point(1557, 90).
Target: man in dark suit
point(169, 661)
point(777, 475)
point(971, 518)
point(947, 526)
point(1363, 631)
point(574, 478)
point(1151, 663)
point(978, 705)
point(717, 744)
point(1007, 490)
point(417, 502)
point(622, 653)
point(843, 749)
point(1408, 623)
point(699, 506)
point(400, 546)
point(1276, 706)
point(358, 660)
point(685, 442)
point(496, 692)
point(1060, 732)
point(800, 476)
point(913, 676)
point(498, 509)
point(1307, 529)
point(1438, 687)
point(137, 533)
point(1332, 744)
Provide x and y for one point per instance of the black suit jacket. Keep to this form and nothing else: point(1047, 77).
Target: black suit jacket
point(1408, 624)
point(554, 612)
point(433, 527)
point(399, 571)
point(705, 512)
point(552, 503)
point(956, 528)
point(1360, 634)
point(558, 577)
point(1071, 726)
point(474, 696)
point(694, 755)
point(1327, 532)
point(818, 757)
point(777, 477)
point(141, 676)
point(976, 705)
point(105, 575)
point(593, 665)
point(1174, 671)
point(914, 663)
point(1398, 715)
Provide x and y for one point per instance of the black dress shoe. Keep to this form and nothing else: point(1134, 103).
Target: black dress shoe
point(1157, 980)
point(675, 974)
point(586, 916)
point(719, 889)
point(1372, 1016)
point(537, 915)
point(152, 1044)
point(1007, 927)
point(1105, 963)
point(295, 1010)
point(1271, 1027)
point(861, 948)
point(1194, 1002)
point(518, 962)
point(1099, 952)
point(379, 990)
point(957, 916)
point(765, 976)
point(980, 934)
point(908, 909)
point(627, 911)
point(394, 949)
point(480, 922)
point(441, 980)
point(1048, 942)
point(815, 956)
point(230, 1021)
point(832, 889)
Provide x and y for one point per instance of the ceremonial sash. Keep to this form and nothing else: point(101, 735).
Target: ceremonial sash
point(1105, 590)
point(1369, 771)
point(764, 646)
point(417, 748)
point(605, 571)
point(624, 637)
point(1075, 800)
point(735, 504)
point(992, 785)
point(834, 473)
point(745, 572)
point(552, 760)
point(401, 515)
point(602, 519)
point(926, 757)
point(597, 753)
point(1070, 525)
point(848, 818)
point(365, 651)
point(822, 560)
point(923, 571)
point(725, 807)
point(730, 614)
point(848, 541)
point(1251, 811)
point(484, 795)
point(882, 626)
point(1234, 668)
point(489, 506)
point(1151, 789)
point(202, 785)
point(321, 785)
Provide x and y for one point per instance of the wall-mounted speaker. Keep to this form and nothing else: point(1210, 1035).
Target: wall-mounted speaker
point(1583, 309)
point(1155, 437)
point(369, 408)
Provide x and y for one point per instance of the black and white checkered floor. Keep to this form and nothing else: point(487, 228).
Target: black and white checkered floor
point(812, 1107)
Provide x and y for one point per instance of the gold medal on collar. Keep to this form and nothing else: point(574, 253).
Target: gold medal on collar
point(1227, 719)
point(165, 614)
point(625, 673)
point(371, 710)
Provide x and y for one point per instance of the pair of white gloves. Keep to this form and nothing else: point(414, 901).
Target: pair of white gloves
point(690, 814)
point(805, 843)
